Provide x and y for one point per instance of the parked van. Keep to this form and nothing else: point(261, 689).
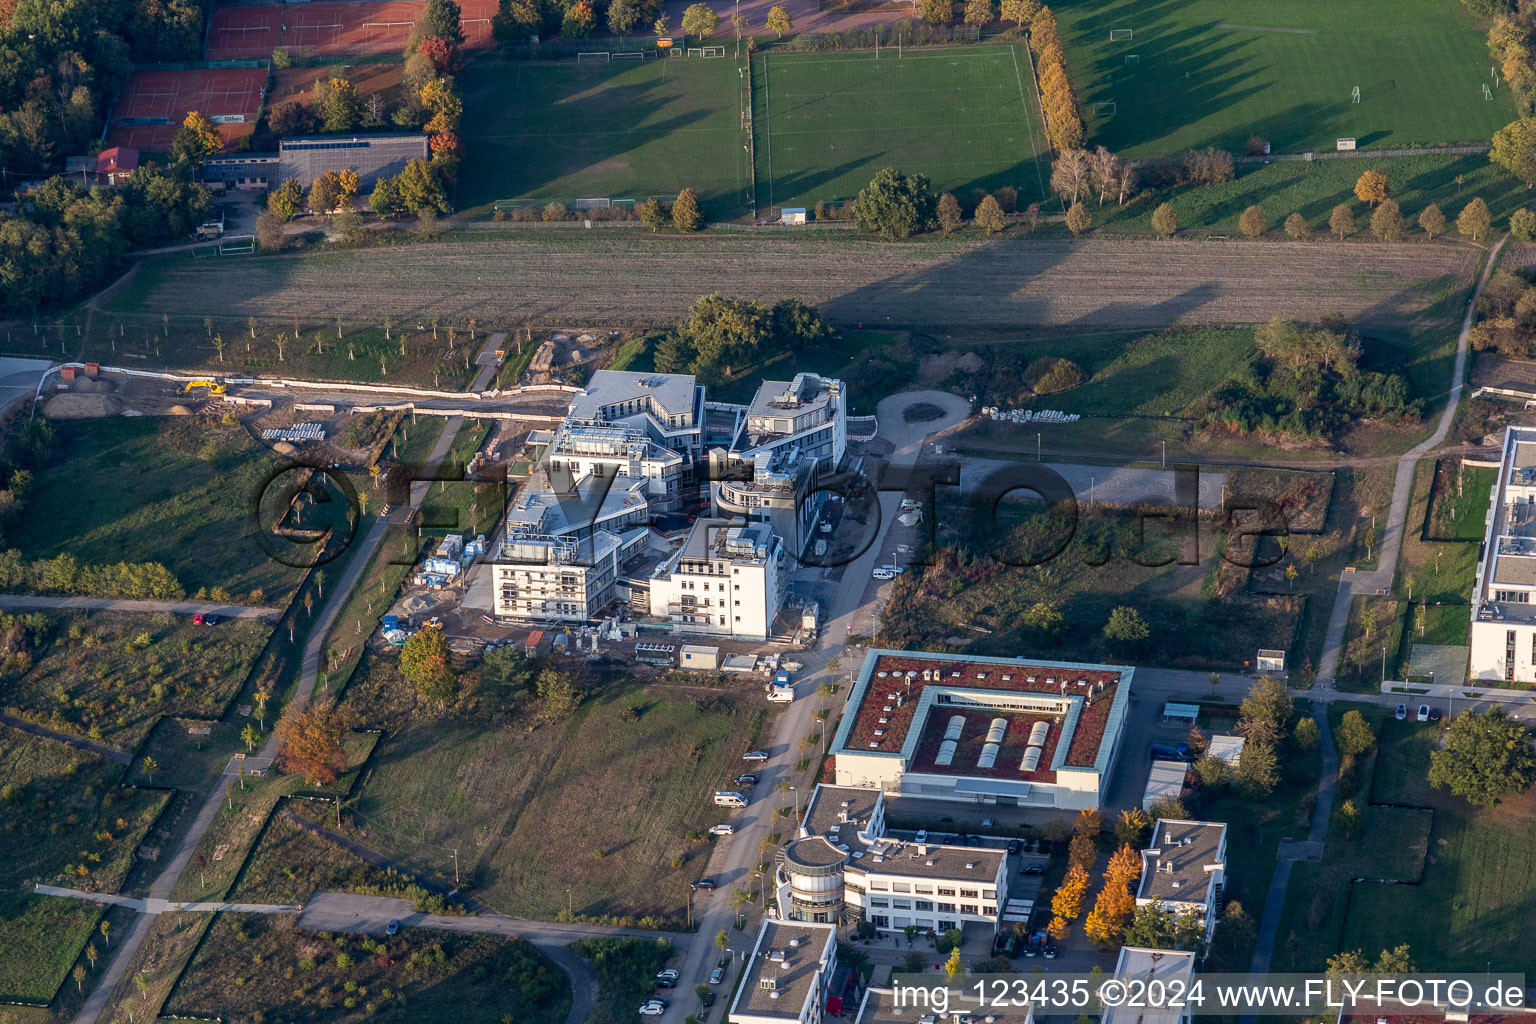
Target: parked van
point(730, 800)
point(781, 695)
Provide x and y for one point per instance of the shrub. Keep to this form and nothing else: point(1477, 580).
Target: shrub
point(1049, 375)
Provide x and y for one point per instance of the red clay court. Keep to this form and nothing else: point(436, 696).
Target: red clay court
point(154, 103)
point(331, 29)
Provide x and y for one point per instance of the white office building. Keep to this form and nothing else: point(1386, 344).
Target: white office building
point(843, 868)
point(668, 407)
point(1184, 868)
point(809, 413)
point(724, 581)
point(787, 974)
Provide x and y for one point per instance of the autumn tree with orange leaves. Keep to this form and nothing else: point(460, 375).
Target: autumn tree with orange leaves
point(310, 737)
point(1112, 910)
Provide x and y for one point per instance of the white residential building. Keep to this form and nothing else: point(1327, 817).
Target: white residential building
point(669, 407)
point(843, 868)
point(586, 448)
point(1185, 868)
point(809, 413)
point(1504, 594)
point(787, 974)
point(555, 579)
point(724, 581)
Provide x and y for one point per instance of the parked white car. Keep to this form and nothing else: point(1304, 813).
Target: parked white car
point(722, 829)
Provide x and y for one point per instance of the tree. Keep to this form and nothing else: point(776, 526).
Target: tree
point(385, 199)
point(79, 975)
point(420, 188)
point(424, 661)
point(1078, 219)
point(441, 19)
point(652, 214)
point(979, 12)
point(1251, 223)
point(349, 226)
point(1126, 627)
point(196, 138)
point(558, 693)
point(1297, 228)
point(1387, 221)
point(700, 21)
point(286, 201)
point(251, 736)
point(1485, 755)
point(1265, 710)
point(340, 109)
point(1258, 769)
point(1475, 221)
point(579, 21)
point(1432, 221)
point(1341, 222)
point(1019, 12)
point(1067, 903)
point(1353, 737)
point(325, 193)
point(1071, 173)
point(895, 205)
point(310, 737)
point(1131, 829)
point(936, 12)
point(1522, 224)
point(149, 766)
point(949, 213)
point(779, 21)
point(954, 966)
point(990, 215)
point(1514, 149)
point(1154, 927)
point(1115, 903)
point(685, 210)
point(1042, 617)
point(1347, 819)
point(1307, 734)
point(1165, 221)
point(1372, 188)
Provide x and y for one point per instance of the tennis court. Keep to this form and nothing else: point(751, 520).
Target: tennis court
point(154, 103)
point(964, 116)
point(332, 29)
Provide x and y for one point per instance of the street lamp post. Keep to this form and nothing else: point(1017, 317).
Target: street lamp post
point(1383, 663)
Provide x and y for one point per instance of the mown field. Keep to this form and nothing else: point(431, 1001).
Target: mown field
point(1217, 72)
point(627, 279)
point(963, 116)
point(176, 491)
point(558, 132)
point(520, 801)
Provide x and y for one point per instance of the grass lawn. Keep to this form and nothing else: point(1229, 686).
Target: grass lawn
point(1215, 73)
point(964, 116)
point(516, 797)
point(1474, 904)
point(254, 967)
point(63, 822)
point(157, 492)
point(558, 132)
point(41, 937)
point(626, 974)
point(1459, 502)
point(288, 865)
point(113, 676)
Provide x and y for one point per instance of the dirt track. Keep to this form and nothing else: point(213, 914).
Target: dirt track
point(624, 278)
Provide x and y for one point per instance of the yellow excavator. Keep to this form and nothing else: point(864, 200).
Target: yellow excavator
point(214, 387)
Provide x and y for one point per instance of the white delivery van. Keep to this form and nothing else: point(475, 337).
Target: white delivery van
point(781, 695)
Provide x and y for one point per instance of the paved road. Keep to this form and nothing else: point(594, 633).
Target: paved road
point(734, 859)
point(80, 742)
point(1380, 579)
point(166, 881)
point(33, 602)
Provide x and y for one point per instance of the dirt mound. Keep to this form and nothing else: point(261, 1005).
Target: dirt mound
point(180, 410)
point(284, 448)
point(87, 386)
point(71, 406)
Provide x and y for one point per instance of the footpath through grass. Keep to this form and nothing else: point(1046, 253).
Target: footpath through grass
point(1192, 73)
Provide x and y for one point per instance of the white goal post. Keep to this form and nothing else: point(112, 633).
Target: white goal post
point(706, 51)
point(1104, 109)
point(1120, 35)
point(594, 57)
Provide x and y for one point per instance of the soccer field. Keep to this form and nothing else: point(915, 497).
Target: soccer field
point(543, 132)
point(964, 116)
point(1218, 72)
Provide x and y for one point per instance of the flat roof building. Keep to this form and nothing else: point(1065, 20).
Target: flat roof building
point(1147, 966)
point(1184, 868)
point(888, 1006)
point(306, 157)
point(1006, 731)
point(1503, 633)
point(726, 580)
point(787, 974)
